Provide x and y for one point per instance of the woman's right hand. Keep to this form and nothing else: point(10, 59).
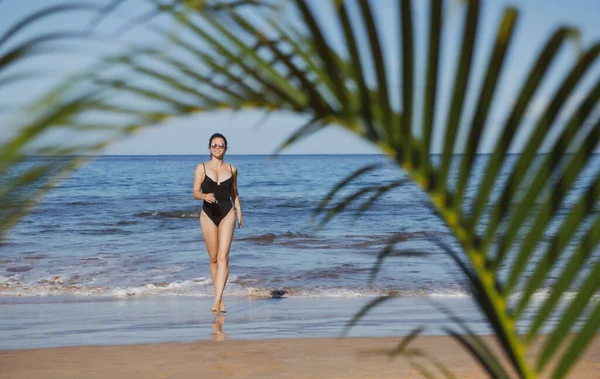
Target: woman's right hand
point(209, 197)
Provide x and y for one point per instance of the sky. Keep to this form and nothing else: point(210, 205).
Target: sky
point(253, 132)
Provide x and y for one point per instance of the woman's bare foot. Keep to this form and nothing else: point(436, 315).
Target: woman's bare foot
point(218, 308)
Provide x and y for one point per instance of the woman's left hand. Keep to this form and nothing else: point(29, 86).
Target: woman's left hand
point(240, 220)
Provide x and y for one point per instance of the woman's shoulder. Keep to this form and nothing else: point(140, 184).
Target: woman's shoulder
point(233, 169)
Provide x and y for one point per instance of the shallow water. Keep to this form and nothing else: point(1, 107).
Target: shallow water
point(39, 322)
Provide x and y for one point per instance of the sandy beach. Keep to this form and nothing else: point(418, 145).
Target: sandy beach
point(178, 338)
point(297, 358)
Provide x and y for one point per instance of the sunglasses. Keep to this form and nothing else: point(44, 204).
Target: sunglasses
point(219, 145)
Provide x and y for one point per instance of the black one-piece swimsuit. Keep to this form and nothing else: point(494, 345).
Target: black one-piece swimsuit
point(222, 191)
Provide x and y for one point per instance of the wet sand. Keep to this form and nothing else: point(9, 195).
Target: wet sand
point(68, 337)
point(297, 358)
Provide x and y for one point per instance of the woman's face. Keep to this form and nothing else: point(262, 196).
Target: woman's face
point(217, 147)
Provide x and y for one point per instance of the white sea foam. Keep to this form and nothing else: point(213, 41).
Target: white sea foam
point(450, 294)
point(202, 286)
point(540, 296)
point(49, 285)
point(333, 292)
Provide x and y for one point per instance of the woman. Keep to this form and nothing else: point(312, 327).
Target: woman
point(215, 182)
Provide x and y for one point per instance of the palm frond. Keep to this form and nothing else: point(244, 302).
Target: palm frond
point(508, 132)
point(486, 95)
point(460, 89)
point(475, 344)
point(236, 62)
point(523, 164)
point(431, 86)
point(368, 307)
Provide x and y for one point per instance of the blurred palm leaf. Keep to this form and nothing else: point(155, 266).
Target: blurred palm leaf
point(23, 181)
point(230, 57)
point(31, 162)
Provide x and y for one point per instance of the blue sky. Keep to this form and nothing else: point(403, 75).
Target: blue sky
point(253, 133)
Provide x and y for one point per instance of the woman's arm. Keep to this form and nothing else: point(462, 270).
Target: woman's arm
point(236, 198)
point(198, 178)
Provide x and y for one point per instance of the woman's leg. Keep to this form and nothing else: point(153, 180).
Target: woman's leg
point(225, 234)
point(211, 238)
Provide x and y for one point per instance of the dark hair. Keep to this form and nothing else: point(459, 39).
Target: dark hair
point(217, 135)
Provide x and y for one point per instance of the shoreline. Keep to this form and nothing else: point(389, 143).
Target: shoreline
point(27, 323)
point(310, 357)
point(158, 337)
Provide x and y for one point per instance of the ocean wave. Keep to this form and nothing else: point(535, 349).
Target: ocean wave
point(35, 257)
point(79, 203)
point(260, 239)
point(123, 223)
point(170, 214)
point(341, 271)
point(319, 282)
point(44, 231)
point(350, 242)
point(289, 234)
point(542, 294)
point(202, 287)
point(19, 269)
point(283, 238)
point(7, 279)
point(12, 286)
point(108, 231)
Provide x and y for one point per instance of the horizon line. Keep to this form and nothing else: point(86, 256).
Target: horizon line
point(264, 154)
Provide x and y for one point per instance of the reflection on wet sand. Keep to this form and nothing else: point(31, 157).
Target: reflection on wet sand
point(218, 334)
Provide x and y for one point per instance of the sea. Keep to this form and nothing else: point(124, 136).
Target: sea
point(124, 226)
point(115, 255)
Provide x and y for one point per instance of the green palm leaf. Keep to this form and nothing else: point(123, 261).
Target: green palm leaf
point(534, 79)
point(460, 88)
point(431, 86)
point(379, 67)
point(358, 75)
point(541, 129)
point(296, 67)
point(503, 39)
